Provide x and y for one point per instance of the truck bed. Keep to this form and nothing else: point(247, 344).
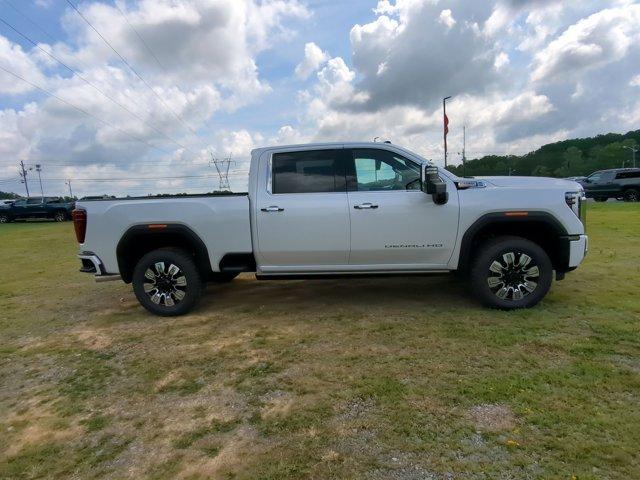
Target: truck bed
point(220, 220)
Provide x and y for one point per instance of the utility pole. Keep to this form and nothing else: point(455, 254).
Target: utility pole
point(634, 150)
point(23, 175)
point(39, 169)
point(68, 183)
point(446, 127)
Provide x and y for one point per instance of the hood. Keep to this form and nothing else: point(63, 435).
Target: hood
point(532, 182)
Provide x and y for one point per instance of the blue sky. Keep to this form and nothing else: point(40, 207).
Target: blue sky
point(246, 73)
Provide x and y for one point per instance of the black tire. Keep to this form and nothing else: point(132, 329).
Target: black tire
point(60, 216)
point(631, 195)
point(223, 277)
point(513, 274)
point(4, 218)
point(181, 288)
point(601, 199)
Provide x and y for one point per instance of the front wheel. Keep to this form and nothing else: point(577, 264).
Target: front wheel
point(4, 218)
point(510, 273)
point(167, 282)
point(631, 195)
point(60, 216)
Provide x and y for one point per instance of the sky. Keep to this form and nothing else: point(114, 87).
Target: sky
point(133, 98)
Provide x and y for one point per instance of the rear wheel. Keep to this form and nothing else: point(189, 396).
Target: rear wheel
point(167, 282)
point(631, 195)
point(60, 216)
point(511, 273)
point(4, 218)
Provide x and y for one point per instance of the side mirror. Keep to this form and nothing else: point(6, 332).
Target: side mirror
point(433, 185)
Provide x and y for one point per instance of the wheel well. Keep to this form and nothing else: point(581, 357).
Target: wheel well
point(541, 229)
point(142, 239)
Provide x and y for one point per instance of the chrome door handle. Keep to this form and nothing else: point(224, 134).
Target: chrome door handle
point(272, 208)
point(365, 206)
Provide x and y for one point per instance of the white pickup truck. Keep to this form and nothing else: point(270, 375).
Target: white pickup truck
point(340, 209)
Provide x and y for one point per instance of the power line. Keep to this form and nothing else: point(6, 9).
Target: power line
point(92, 85)
point(135, 72)
point(81, 110)
point(139, 36)
point(39, 27)
point(35, 24)
point(127, 179)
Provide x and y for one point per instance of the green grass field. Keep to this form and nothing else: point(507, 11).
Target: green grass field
point(376, 379)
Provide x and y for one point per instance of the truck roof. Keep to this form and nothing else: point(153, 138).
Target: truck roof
point(367, 144)
point(315, 145)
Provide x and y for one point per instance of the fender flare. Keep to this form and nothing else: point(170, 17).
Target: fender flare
point(502, 218)
point(155, 233)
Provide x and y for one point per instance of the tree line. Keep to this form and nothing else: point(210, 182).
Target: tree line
point(568, 158)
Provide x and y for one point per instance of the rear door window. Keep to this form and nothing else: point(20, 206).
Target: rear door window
point(628, 175)
point(314, 171)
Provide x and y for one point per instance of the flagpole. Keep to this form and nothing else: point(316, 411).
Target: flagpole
point(446, 127)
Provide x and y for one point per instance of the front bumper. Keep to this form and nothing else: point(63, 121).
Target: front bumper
point(578, 248)
point(91, 263)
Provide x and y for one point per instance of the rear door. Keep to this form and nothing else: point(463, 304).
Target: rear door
point(302, 212)
point(35, 207)
point(394, 225)
point(602, 184)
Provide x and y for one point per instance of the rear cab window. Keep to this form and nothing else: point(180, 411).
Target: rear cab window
point(312, 171)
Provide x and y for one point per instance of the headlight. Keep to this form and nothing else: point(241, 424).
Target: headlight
point(576, 201)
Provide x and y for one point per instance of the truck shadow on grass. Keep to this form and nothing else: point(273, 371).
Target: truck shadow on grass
point(394, 293)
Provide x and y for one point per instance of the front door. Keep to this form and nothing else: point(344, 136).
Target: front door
point(302, 214)
point(393, 223)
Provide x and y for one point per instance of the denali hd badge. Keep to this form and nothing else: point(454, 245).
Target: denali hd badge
point(427, 245)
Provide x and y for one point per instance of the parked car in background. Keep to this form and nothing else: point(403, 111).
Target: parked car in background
point(55, 208)
point(575, 179)
point(340, 209)
point(618, 183)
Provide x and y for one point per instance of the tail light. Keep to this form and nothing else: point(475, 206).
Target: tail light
point(80, 224)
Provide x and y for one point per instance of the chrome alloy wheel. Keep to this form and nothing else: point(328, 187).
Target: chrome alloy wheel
point(165, 286)
point(513, 277)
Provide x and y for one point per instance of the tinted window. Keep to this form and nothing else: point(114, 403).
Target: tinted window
point(34, 201)
point(379, 170)
point(307, 172)
point(20, 203)
point(625, 175)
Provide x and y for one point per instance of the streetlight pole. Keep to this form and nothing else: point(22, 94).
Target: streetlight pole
point(633, 153)
point(464, 150)
point(39, 169)
point(446, 127)
point(68, 182)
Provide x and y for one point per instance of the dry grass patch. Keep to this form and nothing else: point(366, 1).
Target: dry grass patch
point(362, 379)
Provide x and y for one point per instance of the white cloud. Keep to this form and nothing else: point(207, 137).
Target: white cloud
point(502, 59)
point(635, 81)
point(446, 18)
point(15, 59)
point(602, 38)
point(314, 58)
